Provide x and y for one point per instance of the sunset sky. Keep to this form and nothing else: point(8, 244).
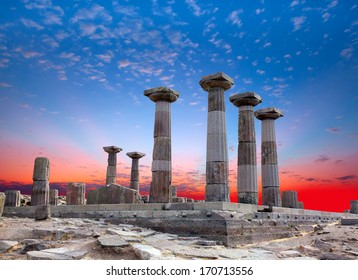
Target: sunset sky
point(72, 76)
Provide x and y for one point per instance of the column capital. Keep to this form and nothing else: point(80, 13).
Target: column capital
point(135, 155)
point(162, 94)
point(268, 113)
point(112, 149)
point(219, 79)
point(245, 98)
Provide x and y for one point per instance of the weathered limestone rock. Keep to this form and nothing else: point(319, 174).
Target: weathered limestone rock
point(112, 163)
point(189, 200)
point(53, 197)
point(135, 156)
point(179, 199)
point(2, 202)
point(75, 194)
point(13, 198)
point(217, 184)
point(354, 207)
point(289, 199)
point(269, 167)
point(6, 245)
point(112, 241)
point(40, 189)
point(92, 196)
point(145, 252)
point(162, 156)
point(247, 167)
point(145, 198)
point(115, 194)
point(42, 212)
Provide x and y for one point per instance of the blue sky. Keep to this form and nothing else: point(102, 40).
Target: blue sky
point(72, 76)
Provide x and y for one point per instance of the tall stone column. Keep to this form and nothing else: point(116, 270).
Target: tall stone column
point(246, 167)
point(135, 156)
point(112, 164)
point(41, 189)
point(217, 183)
point(269, 168)
point(162, 151)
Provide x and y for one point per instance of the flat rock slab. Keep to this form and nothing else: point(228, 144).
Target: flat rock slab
point(122, 233)
point(112, 241)
point(6, 245)
point(145, 252)
point(70, 252)
point(41, 255)
point(290, 254)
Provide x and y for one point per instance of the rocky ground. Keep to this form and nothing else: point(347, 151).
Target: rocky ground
point(23, 238)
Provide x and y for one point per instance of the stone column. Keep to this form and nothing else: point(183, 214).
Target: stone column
point(217, 184)
point(53, 197)
point(75, 194)
point(13, 198)
point(162, 151)
point(135, 156)
point(41, 187)
point(289, 199)
point(92, 196)
point(301, 205)
point(354, 207)
point(269, 168)
point(2, 202)
point(112, 164)
point(246, 157)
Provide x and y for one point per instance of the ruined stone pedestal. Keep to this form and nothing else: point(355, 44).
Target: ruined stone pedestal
point(116, 194)
point(42, 212)
point(112, 164)
point(135, 156)
point(53, 197)
point(217, 184)
point(2, 202)
point(289, 199)
point(162, 151)
point(92, 196)
point(269, 167)
point(247, 167)
point(13, 198)
point(40, 189)
point(354, 207)
point(75, 194)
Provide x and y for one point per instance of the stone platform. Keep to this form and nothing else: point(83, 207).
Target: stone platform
point(230, 223)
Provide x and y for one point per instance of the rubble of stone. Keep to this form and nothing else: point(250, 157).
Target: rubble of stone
point(84, 239)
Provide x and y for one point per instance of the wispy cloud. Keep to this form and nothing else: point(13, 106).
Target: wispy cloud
point(322, 158)
point(5, 85)
point(195, 7)
point(347, 177)
point(234, 18)
point(347, 53)
point(96, 11)
point(334, 130)
point(298, 22)
point(28, 23)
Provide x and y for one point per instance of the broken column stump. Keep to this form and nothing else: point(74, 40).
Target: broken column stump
point(13, 198)
point(75, 194)
point(40, 189)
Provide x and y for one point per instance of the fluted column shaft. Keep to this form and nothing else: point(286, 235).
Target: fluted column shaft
point(135, 156)
point(162, 155)
point(247, 166)
point(217, 167)
point(111, 174)
point(269, 167)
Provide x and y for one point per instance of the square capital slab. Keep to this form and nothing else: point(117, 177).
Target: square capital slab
point(246, 98)
point(112, 149)
point(268, 113)
point(219, 79)
point(162, 94)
